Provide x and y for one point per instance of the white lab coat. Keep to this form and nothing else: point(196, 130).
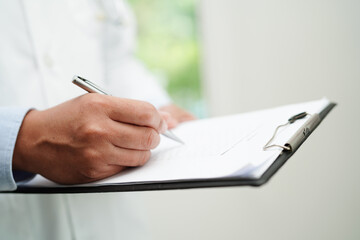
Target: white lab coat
point(43, 43)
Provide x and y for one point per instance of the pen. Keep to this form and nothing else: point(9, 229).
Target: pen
point(93, 88)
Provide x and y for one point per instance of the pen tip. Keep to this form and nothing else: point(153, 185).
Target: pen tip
point(172, 136)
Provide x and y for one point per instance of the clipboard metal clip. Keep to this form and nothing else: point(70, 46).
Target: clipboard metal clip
point(303, 132)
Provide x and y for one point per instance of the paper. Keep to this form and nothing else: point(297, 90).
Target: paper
point(217, 147)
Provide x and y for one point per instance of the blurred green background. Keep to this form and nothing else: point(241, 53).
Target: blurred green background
point(168, 44)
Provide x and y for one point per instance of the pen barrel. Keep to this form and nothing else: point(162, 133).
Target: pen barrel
point(87, 85)
point(304, 131)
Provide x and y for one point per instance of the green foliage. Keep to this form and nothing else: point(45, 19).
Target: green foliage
point(168, 45)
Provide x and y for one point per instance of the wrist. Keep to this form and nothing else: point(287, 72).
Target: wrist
point(25, 141)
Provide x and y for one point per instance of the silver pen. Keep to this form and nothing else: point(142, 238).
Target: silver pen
point(93, 88)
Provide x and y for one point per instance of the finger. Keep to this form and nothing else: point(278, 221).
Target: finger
point(186, 117)
point(133, 137)
point(126, 157)
point(109, 171)
point(169, 119)
point(135, 112)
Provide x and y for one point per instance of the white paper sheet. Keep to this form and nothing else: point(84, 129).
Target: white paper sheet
point(216, 147)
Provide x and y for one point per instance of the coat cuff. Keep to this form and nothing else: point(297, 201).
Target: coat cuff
point(11, 119)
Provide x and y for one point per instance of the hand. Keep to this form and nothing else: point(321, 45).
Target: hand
point(87, 138)
point(174, 115)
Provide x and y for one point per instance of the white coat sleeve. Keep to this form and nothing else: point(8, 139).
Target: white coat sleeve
point(10, 122)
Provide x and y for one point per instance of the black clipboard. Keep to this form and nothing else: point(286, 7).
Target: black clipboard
point(179, 184)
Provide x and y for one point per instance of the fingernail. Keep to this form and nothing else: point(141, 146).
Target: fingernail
point(164, 127)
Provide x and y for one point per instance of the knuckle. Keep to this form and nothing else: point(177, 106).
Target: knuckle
point(91, 163)
point(91, 156)
point(90, 173)
point(94, 101)
point(150, 138)
point(93, 130)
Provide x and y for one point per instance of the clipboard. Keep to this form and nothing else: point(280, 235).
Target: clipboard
point(183, 184)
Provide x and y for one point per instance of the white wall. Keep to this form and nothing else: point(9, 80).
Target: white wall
point(258, 54)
